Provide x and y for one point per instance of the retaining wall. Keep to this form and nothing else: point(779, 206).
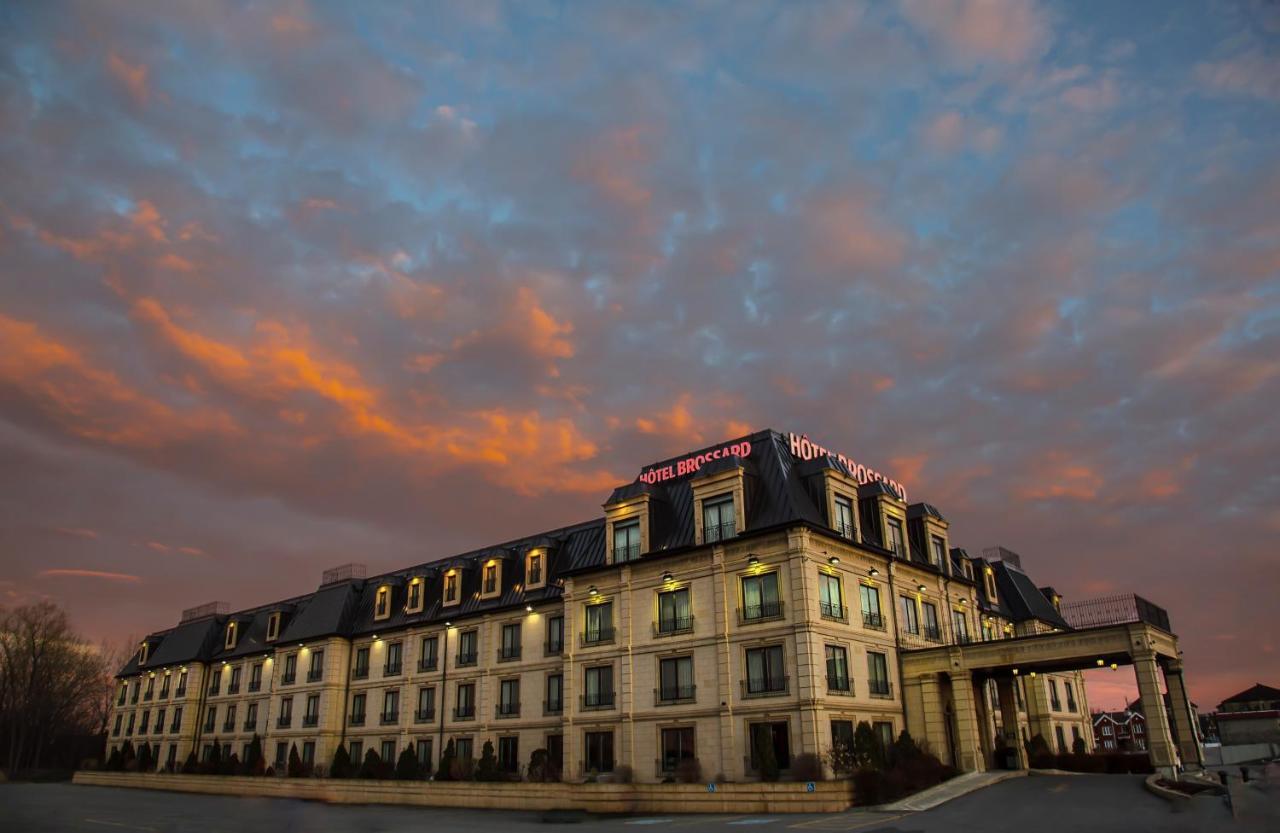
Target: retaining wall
point(827, 796)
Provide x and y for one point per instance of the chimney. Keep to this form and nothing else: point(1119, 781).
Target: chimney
point(347, 572)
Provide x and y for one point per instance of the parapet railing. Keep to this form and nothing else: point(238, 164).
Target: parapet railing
point(1114, 610)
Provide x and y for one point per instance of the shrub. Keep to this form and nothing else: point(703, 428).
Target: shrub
point(372, 766)
point(841, 760)
point(462, 769)
point(255, 763)
point(868, 751)
point(115, 763)
point(128, 758)
point(341, 766)
point(190, 766)
point(295, 762)
point(213, 762)
point(806, 767)
point(766, 761)
point(145, 764)
point(1079, 747)
point(445, 772)
point(270, 772)
point(1039, 756)
point(869, 787)
point(487, 769)
point(407, 765)
point(689, 771)
point(623, 774)
point(231, 766)
point(912, 769)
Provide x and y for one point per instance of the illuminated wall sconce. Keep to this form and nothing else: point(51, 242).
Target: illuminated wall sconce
point(528, 608)
point(920, 587)
point(1113, 666)
point(753, 561)
point(873, 572)
point(1015, 672)
point(1101, 663)
point(592, 591)
point(448, 624)
point(964, 602)
point(833, 561)
point(1033, 674)
point(667, 577)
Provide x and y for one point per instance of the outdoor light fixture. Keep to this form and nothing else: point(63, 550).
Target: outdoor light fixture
point(592, 591)
point(753, 561)
point(1100, 663)
point(874, 572)
point(667, 577)
point(1015, 672)
point(375, 637)
point(1033, 674)
point(448, 624)
point(1113, 666)
point(920, 587)
point(529, 608)
point(833, 560)
point(964, 602)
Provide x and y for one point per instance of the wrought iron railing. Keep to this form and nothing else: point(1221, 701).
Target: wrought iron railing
point(1114, 610)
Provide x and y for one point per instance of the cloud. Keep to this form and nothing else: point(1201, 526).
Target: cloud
point(1253, 75)
point(980, 31)
point(131, 76)
point(66, 572)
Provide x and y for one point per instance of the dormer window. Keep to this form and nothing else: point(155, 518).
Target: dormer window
point(938, 551)
point(451, 587)
point(717, 519)
point(533, 569)
point(893, 537)
point(143, 652)
point(230, 641)
point(273, 627)
point(382, 603)
point(990, 577)
point(843, 521)
point(491, 579)
point(626, 541)
point(413, 603)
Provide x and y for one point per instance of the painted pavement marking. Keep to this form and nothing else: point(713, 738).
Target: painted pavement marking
point(844, 823)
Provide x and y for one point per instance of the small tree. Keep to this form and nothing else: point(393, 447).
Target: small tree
point(407, 765)
point(689, 771)
point(341, 766)
point(190, 766)
point(1079, 747)
point(537, 769)
point(904, 750)
point(371, 767)
point(231, 766)
point(295, 762)
point(867, 749)
point(128, 757)
point(115, 763)
point(212, 765)
point(255, 763)
point(766, 759)
point(1039, 756)
point(145, 764)
point(487, 769)
point(445, 772)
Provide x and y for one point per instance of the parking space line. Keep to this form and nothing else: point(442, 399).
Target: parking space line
point(855, 822)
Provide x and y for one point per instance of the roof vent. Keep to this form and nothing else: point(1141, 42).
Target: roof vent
point(205, 610)
point(1002, 554)
point(346, 572)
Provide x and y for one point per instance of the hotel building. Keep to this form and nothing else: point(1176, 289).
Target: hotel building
point(764, 588)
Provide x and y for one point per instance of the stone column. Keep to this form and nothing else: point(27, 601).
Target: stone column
point(935, 717)
point(1009, 718)
point(1039, 716)
point(1159, 739)
point(1184, 721)
point(731, 765)
point(972, 757)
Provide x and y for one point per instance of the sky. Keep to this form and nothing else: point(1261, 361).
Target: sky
point(286, 286)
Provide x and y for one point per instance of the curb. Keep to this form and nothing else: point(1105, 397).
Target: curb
point(1163, 792)
point(922, 801)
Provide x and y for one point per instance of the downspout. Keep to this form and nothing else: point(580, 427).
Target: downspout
point(444, 691)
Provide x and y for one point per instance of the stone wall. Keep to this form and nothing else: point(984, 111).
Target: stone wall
point(827, 796)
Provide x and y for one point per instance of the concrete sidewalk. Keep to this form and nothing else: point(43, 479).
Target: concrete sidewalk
point(956, 787)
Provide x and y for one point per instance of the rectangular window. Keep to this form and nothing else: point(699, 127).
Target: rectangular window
point(510, 642)
point(424, 752)
point(766, 673)
point(116, 730)
point(884, 731)
point(177, 719)
point(910, 618)
point(939, 551)
point(599, 751)
point(282, 753)
point(389, 751)
point(273, 626)
point(878, 674)
point(1062, 738)
point(357, 709)
point(508, 698)
point(533, 572)
point(1054, 701)
point(382, 603)
point(871, 616)
point(426, 704)
point(675, 679)
point(395, 654)
point(490, 579)
point(555, 635)
point(181, 691)
point(931, 628)
point(598, 688)
point(428, 653)
point(210, 719)
point(251, 718)
point(463, 749)
point(677, 746)
point(286, 712)
point(312, 714)
point(844, 517)
point(128, 730)
point(626, 541)
point(675, 612)
point(415, 595)
point(142, 725)
point(309, 752)
point(554, 704)
point(290, 669)
point(778, 736)
point(760, 598)
point(151, 689)
point(717, 520)
point(1071, 697)
point(164, 686)
point(989, 578)
point(466, 708)
point(356, 750)
point(450, 587)
point(316, 671)
point(961, 624)
point(468, 647)
point(599, 623)
point(509, 754)
point(988, 631)
point(838, 669)
point(229, 725)
point(842, 734)
point(391, 707)
point(894, 534)
point(215, 681)
point(231, 636)
point(255, 677)
point(830, 597)
point(362, 663)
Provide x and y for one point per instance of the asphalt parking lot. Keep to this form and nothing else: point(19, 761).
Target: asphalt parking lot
point(1045, 804)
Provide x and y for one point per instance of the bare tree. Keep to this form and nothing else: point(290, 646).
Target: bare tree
point(51, 682)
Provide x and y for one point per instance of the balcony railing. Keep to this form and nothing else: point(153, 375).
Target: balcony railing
point(597, 700)
point(315, 675)
point(1055, 704)
point(467, 712)
point(846, 531)
point(830, 610)
point(181, 691)
point(309, 720)
point(932, 633)
point(875, 621)
point(675, 694)
point(233, 688)
point(1071, 705)
point(880, 688)
point(133, 701)
point(466, 659)
point(598, 636)
point(668, 625)
point(173, 727)
point(284, 721)
point(356, 719)
point(839, 685)
point(255, 685)
point(250, 725)
point(389, 718)
point(762, 612)
point(1114, 610)
point(360, 672)
point(424, 715)
point(764, 686)
point(553, 648)
point(215, 689)
point(711, 533)
point(164, 693)
point(551, 707)
point(428, 664)
point(289, 678)
point(502, 710)
point(391, 669)
point(120, 702)
point(142, 730)
point(509, 653)
point(629, 552)
point(150, 695)
point(128, 732)
point(228, 725)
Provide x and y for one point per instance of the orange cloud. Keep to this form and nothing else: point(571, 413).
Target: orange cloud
point(74, 573)
point(676, 422)
point(133, 77)
point(1059, 475)
point(78, 533)
point(848, 236)
point(981, 30)
point(615, 165)
point(906, 469)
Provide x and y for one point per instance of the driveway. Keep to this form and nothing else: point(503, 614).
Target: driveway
point(1045, 804)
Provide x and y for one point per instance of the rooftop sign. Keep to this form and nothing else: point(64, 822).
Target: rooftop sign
point(690, 464)
point(802, 448)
